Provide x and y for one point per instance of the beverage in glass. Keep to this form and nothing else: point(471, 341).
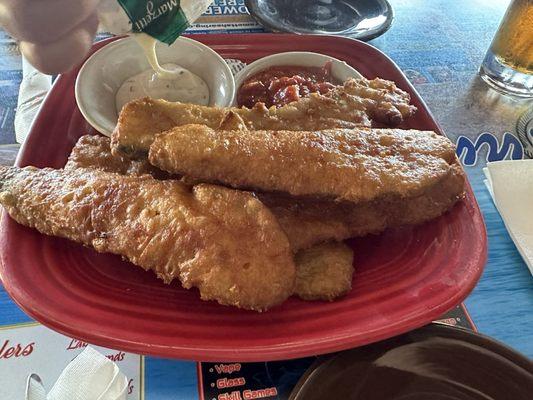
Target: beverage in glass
point(508, 64)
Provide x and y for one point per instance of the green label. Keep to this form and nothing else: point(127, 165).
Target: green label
point(161, 19)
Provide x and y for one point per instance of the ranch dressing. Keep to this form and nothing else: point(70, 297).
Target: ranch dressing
point(169, 82)
point(149, 21)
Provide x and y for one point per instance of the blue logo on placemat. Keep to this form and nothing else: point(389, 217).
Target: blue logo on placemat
point(510, 148)
point(524, 130)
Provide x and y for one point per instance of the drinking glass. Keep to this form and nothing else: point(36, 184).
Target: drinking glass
point(508, 64)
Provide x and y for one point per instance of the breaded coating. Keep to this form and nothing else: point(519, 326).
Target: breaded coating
point(94, 151)
point(324, 272)
point(317, 276)
point(224, 242)
point(342, 165)
point(357, 102)
point(307, 223)
point(312, 265)
point(382, 100)
point(232, 122)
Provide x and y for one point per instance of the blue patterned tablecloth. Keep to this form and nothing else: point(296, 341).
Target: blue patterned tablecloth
point(439, 44)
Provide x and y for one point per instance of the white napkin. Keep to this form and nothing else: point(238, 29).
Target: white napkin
point(33, 89)
point(90, 376)
point(510, 184)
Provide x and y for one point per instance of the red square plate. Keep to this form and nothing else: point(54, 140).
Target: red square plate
point(404, 278)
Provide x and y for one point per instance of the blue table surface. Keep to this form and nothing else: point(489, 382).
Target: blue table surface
point(439, 44)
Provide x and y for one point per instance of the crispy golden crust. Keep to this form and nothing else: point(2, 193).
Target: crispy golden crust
point(232, 122)
point(93, 151)
point(316, 263)
point(324, 272)
point(382, 101)
point(224, 242)
point(352, 165)
point(307, 223)
point(356, 103)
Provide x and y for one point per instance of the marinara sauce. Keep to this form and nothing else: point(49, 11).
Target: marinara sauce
point(280, 85)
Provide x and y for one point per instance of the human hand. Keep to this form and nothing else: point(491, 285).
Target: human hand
point(55, 35)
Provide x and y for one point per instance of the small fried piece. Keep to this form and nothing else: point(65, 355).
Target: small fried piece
point(356, 103)
point(224, 242)
point(233, 122)
point(324, 272)
point(349, 165)
point(94, 151)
